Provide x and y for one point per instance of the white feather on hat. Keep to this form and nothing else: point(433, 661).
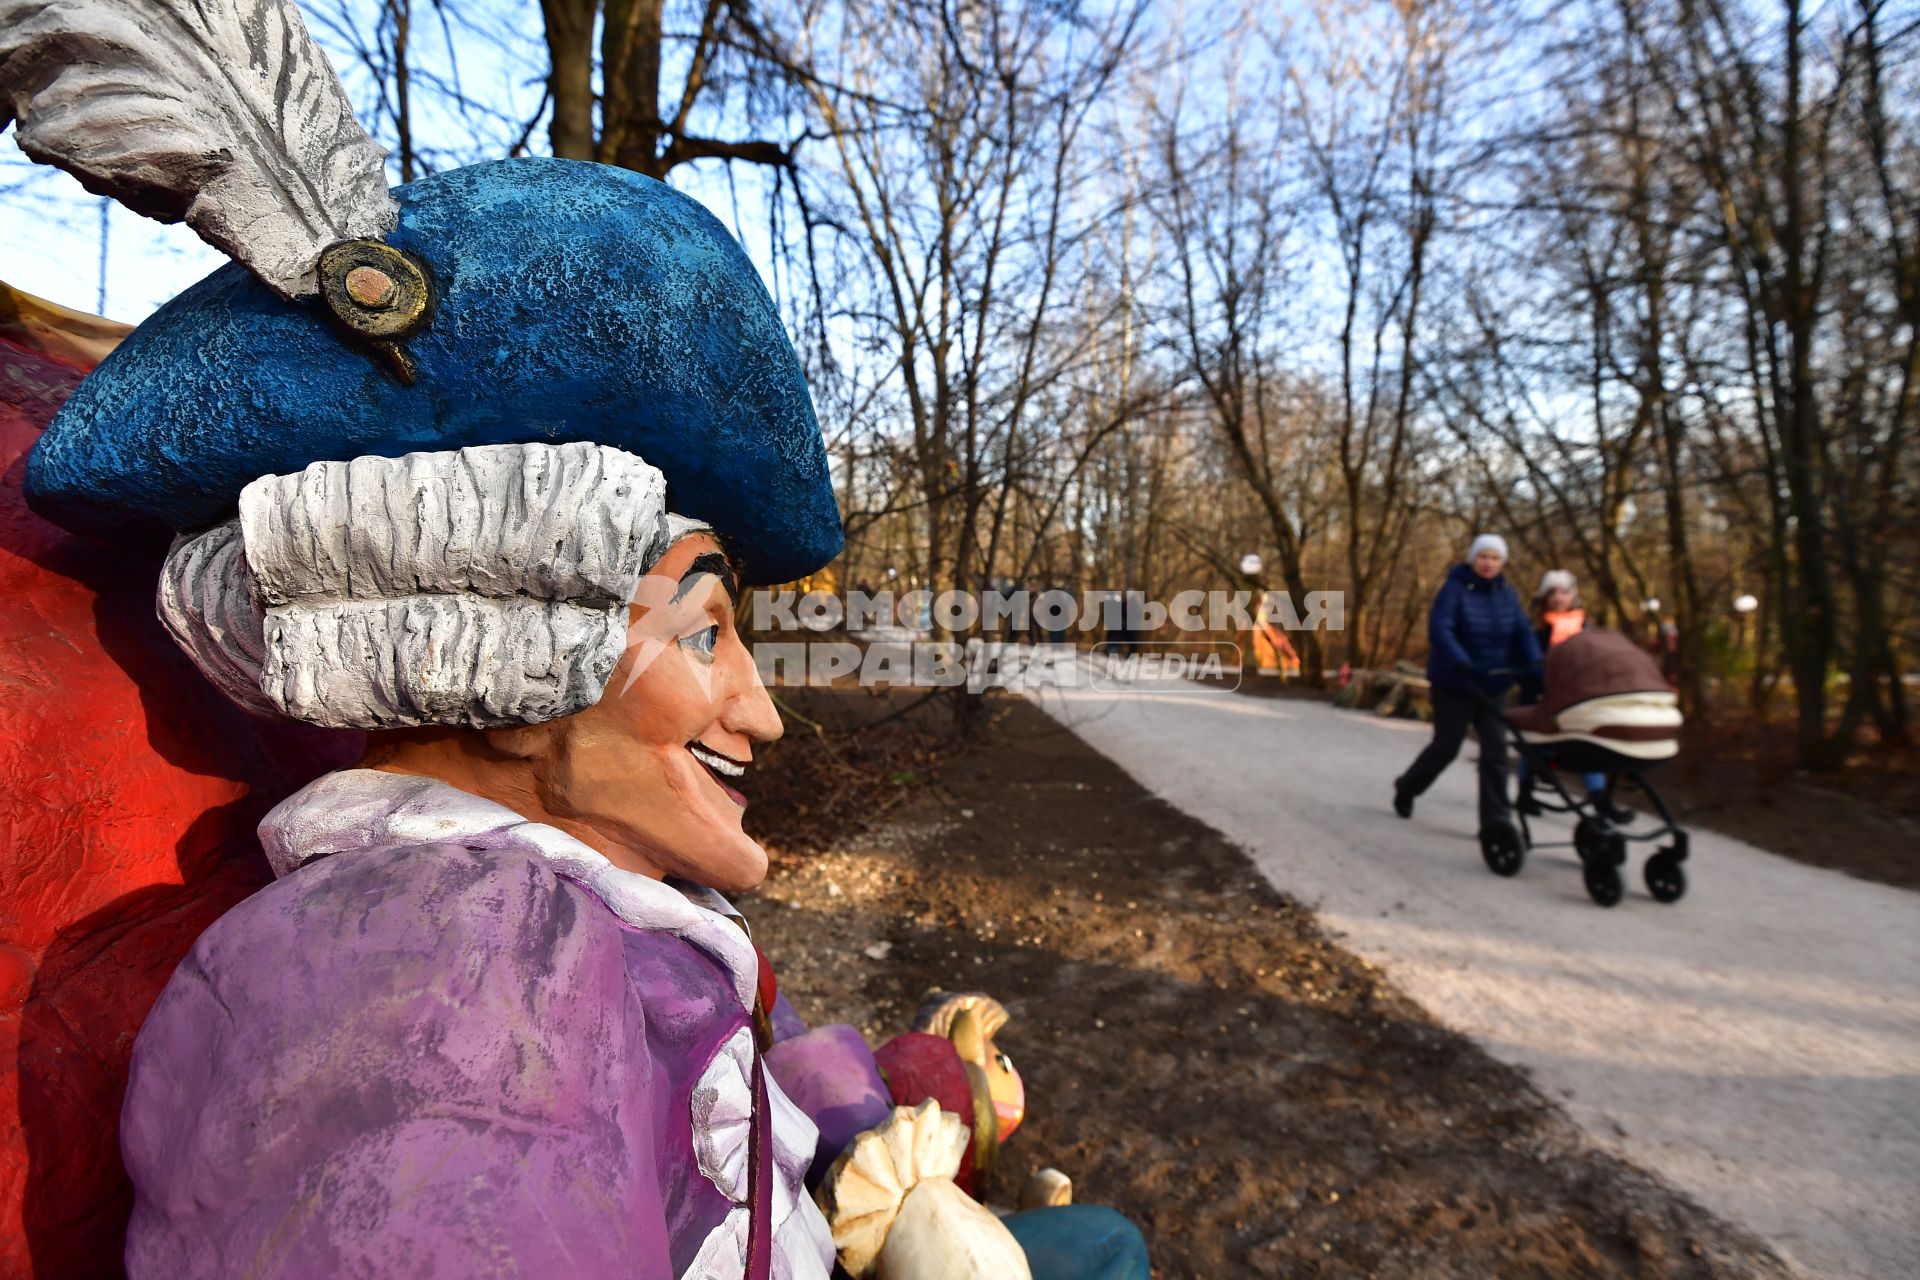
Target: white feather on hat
point(224, 115)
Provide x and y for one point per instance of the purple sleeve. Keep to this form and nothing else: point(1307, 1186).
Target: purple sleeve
point(830, 1074)
point(418, 1061)
point(786, 1020)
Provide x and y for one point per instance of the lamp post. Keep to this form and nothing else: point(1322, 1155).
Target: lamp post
point(1744, 605)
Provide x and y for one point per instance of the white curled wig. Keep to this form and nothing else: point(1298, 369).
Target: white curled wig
point(484, 586)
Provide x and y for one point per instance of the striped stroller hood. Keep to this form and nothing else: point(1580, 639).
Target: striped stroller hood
point(1604, 689)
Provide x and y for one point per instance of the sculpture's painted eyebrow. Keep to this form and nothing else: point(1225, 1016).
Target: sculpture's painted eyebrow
point(708, 562)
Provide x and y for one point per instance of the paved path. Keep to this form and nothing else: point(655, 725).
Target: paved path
point(1757, 1043)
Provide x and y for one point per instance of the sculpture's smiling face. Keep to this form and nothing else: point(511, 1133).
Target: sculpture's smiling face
point(661, 765)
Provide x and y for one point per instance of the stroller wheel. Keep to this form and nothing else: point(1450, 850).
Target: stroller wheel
point(1603, 882)
point(1502, 847)
point(1666, 878)
point(1599, 844)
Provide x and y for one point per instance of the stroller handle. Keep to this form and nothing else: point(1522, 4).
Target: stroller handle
point(1482, 696)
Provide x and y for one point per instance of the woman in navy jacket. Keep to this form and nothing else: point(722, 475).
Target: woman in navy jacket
point(1477, 628)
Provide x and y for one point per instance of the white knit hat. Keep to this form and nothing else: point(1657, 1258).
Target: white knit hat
point(1556, 579)
point(1488, 542)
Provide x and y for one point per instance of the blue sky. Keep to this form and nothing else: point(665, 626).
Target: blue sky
point(51, 228)
point(492, 53)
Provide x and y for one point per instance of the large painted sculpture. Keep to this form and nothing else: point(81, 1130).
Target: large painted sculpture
point(476, 468)
point(131, 798)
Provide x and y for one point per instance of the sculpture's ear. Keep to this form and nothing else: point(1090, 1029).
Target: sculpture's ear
point(969, 1038)
point(74, 338)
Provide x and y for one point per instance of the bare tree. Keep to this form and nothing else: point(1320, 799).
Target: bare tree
point(1374, 103)
point(1222, 201)
point(955, 136)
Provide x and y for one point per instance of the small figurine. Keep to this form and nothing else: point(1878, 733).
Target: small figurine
point(898, 1214)
point(883, 1224)
point(971, 1020)
point(947, 1056)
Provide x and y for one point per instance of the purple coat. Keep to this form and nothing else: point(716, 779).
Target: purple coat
point(450, 1042)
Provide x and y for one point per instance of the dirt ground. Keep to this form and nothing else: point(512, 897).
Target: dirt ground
point(1736, 777)
point(1196, 1052)
point(1735, 781)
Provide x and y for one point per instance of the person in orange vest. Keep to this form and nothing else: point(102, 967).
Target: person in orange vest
point(1557, 608)
point(1557, 617)
point(1272, 650)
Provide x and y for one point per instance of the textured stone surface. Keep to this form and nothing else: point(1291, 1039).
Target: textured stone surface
point(219, 113)
point(555, 522)
point(457, 660)
point(131, 791)
point(207, 603)
point(576, 302)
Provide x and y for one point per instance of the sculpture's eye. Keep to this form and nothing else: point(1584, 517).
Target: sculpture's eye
point(702, 642)
point(1006, 1063)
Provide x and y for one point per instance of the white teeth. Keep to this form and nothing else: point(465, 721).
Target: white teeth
point(715, 761)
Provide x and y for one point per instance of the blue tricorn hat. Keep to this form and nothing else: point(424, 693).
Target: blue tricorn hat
point(571, 302)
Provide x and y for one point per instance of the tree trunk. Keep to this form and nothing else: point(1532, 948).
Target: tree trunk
point(570, 75)
point(630, 128)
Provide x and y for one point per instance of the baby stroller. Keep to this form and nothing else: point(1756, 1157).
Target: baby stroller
point(1605, 709)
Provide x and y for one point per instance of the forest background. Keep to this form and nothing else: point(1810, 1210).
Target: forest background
point(1108, 295)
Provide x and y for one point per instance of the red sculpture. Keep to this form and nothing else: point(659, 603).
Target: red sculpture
point(131, 795)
